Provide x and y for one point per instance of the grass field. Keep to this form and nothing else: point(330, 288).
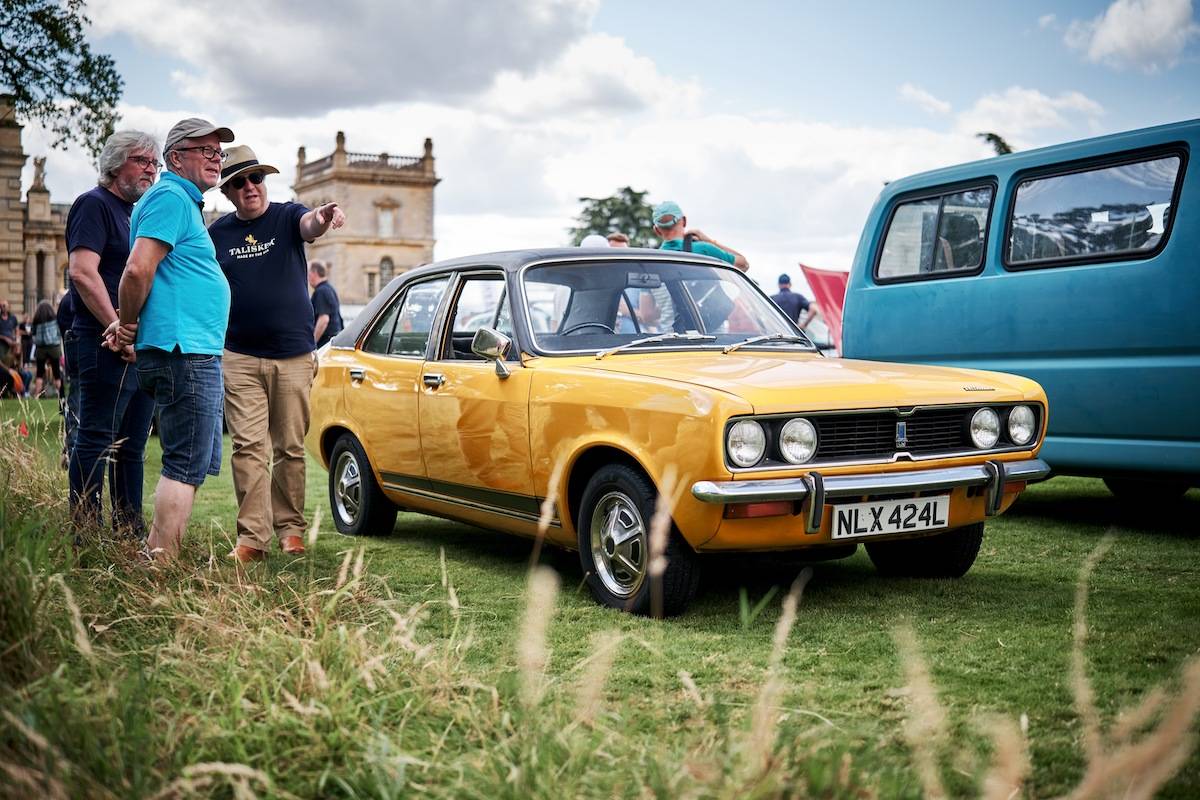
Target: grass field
point(431, 662)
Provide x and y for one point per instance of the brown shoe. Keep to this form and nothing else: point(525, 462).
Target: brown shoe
point(292, 545)
point(245, 554)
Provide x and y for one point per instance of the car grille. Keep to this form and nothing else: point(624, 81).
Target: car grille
point(873, 435)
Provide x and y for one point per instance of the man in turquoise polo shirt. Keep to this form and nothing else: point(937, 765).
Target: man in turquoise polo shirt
point(670, 225)
point(174, 307)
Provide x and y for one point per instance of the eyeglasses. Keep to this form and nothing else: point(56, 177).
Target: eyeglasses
point(208, 152)
point(145, 162)
point(239, 182)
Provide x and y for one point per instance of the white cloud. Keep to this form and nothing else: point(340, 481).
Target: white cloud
point(923, 99)
point(1147, 34)
point(301, 56)
point(1047, 21)
point(1017, 113)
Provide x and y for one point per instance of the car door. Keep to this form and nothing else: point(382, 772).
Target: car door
point(384, 388)
point(474, 423)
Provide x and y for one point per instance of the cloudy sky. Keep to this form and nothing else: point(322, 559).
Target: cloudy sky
point(774, 125)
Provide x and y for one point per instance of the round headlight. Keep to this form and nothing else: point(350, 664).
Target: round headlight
point(985, 428)
point(746, 443)
point(1021, 425)
point(798, 440)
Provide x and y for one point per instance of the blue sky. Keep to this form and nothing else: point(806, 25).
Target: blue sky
point(773, 124)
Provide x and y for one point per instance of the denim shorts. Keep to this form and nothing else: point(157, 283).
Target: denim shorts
point(190, 394)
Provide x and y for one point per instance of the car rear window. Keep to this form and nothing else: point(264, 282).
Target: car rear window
point(936, 236)
point(1115, 210)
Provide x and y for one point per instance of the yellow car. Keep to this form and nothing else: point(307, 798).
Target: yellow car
point(474, 389)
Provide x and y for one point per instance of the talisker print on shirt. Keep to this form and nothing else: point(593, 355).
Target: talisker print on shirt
point(253, 248)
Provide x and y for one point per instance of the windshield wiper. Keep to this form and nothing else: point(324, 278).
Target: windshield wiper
point(769, 337)
point(690, 336)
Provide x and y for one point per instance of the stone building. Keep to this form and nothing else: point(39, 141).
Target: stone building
point(388, 202)
point(33, 247)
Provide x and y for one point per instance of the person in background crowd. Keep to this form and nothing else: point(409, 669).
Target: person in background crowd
point(268, 360)
point(793, 303)
point(617, 239)
point(327, 308)
point(48, 341)
point(25, 331)
point(174, 308)
point(593, 240)
point(113, 416)
point(9, 340)
point(671, 226)
point(68, 405)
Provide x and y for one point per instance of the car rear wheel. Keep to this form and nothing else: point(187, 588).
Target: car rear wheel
point(360, 507)
point(944, 555)
point(614, 546)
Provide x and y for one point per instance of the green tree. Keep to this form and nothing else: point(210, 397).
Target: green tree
point(54, 76)
point(997, 142)
point(626, 212)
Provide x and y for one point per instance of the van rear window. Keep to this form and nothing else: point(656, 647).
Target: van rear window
point(1113, 210)
point(936, 236)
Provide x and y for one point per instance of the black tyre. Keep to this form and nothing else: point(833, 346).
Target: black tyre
point(1161, 490)
point(614, 546)
point(359, 506)
point(944, 555)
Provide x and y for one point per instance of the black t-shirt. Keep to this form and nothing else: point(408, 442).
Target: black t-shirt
point(99, 221)
point(66, 313)
point(325, 301)
point(270, 315)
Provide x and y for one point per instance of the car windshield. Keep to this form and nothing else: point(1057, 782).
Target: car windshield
point(600, 305)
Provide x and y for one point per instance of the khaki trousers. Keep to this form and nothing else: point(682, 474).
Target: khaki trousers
point(266, 401)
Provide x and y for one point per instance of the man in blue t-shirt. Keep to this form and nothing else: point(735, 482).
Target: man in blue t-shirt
point(269, 361)
point(174, 307)
point(110, 421)
point(792, 303)
point(327, 308)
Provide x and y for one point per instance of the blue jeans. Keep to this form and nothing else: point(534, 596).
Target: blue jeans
point(189, 390)
point(114, 422)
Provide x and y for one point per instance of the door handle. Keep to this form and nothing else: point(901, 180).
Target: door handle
point(433, 379)
point(357, 374)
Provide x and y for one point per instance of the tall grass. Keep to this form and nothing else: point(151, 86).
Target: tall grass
point(287, 679)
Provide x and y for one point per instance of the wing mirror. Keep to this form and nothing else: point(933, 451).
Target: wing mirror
point(493, 346)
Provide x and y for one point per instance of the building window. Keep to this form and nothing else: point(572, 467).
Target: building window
point(387, 223)
point(372, 284)
point(387, 270)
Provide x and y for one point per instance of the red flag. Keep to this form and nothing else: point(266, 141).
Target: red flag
point(23, 430)
point(829, 290)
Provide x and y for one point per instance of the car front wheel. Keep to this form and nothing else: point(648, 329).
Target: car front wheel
point(944, 555)
point(360, 507)
point(614, 547)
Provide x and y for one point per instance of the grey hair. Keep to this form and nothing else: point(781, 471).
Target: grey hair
point(117, 149)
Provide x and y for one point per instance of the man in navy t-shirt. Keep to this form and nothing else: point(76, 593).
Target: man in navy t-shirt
point(327, 308)
point(793, 303)
point(268, 359)
point(114, 416)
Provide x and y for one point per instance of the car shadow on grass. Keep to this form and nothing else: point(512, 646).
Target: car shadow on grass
point(1062, 501)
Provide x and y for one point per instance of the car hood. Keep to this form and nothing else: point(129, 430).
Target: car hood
point(774, 383)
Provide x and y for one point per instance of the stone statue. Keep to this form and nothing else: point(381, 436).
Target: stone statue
point(39, 172)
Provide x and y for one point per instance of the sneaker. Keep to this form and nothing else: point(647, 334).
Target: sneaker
point(245, 555)
point(292, 545)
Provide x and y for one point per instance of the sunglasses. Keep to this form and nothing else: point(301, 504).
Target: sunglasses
point(239, 182)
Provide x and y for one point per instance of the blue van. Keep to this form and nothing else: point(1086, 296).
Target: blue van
point(1076, 265)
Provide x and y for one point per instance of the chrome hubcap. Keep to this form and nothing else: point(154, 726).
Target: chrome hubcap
point(347, 488)
point(619, 544)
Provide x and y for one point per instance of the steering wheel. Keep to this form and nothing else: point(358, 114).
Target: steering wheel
point(583, 325)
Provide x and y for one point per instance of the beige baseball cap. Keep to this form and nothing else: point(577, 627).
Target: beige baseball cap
point(192, 128)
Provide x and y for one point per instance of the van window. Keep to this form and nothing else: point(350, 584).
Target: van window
point(1123, 209)
point(936, 236)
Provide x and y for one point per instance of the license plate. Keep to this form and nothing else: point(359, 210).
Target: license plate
point(890, 516)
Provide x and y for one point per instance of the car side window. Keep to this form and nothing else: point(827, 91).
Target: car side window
point(1106, 211)
point(378, 340)
point(415, 320)
point(936, 236)
point(477, 306)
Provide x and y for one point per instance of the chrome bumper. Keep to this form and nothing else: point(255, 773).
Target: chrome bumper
point(816, 488)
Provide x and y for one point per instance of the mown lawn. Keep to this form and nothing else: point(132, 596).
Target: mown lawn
point(207, 664)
